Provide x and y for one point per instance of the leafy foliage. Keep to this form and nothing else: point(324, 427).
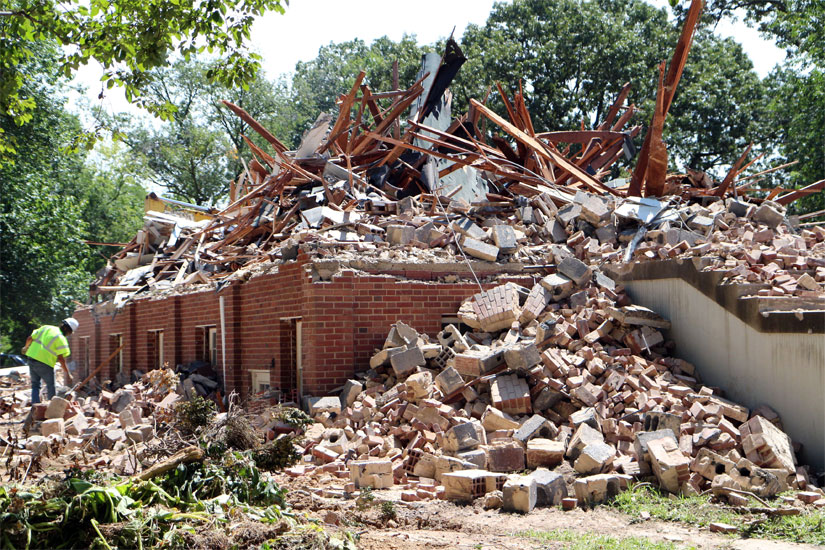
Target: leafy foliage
point(127, 38)
point(41, 223)
point(194, 414)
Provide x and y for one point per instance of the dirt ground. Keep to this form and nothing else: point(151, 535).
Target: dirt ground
point(444, 525)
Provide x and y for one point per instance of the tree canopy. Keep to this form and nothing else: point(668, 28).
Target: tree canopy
point(128, 38)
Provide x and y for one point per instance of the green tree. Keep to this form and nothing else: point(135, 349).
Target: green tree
point(42, 229)
point(796, 124)
point(797, 25)
point(573, 57)
point(128, 38)
point(196, 153)
point(318, 83)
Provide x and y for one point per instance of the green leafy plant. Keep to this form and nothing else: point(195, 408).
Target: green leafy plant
point(194, 414)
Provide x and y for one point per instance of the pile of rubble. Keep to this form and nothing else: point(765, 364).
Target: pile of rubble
point(107, 430)
point(567, 375)
point(374, 178)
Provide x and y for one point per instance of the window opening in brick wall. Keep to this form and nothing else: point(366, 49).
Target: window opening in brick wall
point(155, 351)
point(260, 380)
point(206, 341)
point(115, 341)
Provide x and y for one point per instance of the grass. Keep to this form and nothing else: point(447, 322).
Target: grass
point(808, 527)
point(590, 541)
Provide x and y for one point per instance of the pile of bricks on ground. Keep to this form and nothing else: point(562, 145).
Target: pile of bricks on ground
point(567, 379)
point(108, 430)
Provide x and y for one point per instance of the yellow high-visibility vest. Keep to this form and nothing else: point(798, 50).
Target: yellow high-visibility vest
point(47, 344)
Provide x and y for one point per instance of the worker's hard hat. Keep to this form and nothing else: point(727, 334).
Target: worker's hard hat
point(72, 323)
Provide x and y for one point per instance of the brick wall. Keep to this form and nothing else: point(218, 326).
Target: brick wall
point(342, 322)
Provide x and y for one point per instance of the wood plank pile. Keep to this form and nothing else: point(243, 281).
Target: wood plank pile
point(568, 379)
point(395, 169)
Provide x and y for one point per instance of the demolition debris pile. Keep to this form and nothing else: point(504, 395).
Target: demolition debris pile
point(435, 185)
point(567, 376)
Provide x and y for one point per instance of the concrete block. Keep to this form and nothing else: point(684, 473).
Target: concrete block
point(319, 405)
point(709, 464)
point(522, 356)
point(642, 439)
point(594, 209)
point(568, 213)
point(122, 399)
point(585, 416)
point(544, 453)
point(584, 436)
point(461, 437)
point(655, 420)
point(576, 270)
point(127, 419)
point(450, 337)
point(597, 488)
point(478, 249)
point(109, 438)
point(449, 381)
point(400, 234)
point(519, 495)
point(376, 474)
point(535, 426)
point(76, 424)
point(595, 458)
point(505, 238)
point(556, 230)
point(351, 390)
point(468, 228)
point(550, 487)
point(420, 384)
point(477, 457)
point(405, 362)
point(505, 457)
point(56, 408)
point(52, 426)
point(769, 215)
point(494, 420)
point(448, 464)
point(559, 286)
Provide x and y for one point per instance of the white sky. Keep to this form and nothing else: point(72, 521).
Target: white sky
point(283, 40)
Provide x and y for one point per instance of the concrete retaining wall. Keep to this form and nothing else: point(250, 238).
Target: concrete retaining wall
point(785, 370)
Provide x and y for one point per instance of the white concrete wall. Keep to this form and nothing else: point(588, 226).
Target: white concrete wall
point(783, 370)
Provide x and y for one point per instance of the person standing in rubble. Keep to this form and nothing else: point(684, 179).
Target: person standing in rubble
point(46, 347)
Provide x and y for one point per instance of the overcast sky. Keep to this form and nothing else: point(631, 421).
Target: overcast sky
point(283, 40)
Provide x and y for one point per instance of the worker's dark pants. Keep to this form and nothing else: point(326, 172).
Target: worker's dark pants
point(39, 371)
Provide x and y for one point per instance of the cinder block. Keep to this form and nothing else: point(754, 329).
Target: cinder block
point(584, 436)
point(449, 381)
point(519, 495)
point(642, 439)
point(505, 238)
point(469, 484)
point(550, 487)
point(400, 234)
point(522, 356)
point(52, 426)
point(461, 437)
point(559, 286)
point(319, 405)
point(371, 473)
point(351, 390)
point(478, 249)
point(494, 420)
point(597, 488)
point(56, 408)
point(535, 426)
point(405, 362)
point(595, 458)
point(420, 384)
point(575, 270)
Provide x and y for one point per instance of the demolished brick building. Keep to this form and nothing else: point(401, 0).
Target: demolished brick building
point(294, 286)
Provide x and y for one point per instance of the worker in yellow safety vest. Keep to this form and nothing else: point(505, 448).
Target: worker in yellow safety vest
point(46, 347)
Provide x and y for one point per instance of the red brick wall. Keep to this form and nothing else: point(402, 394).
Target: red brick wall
point(343, 321)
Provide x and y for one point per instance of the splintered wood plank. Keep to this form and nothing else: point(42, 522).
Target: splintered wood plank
point(614, 109)
point(720, 191)
point(255, 125)
point(543, 151)
point(788, 199)
point(343, 113)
